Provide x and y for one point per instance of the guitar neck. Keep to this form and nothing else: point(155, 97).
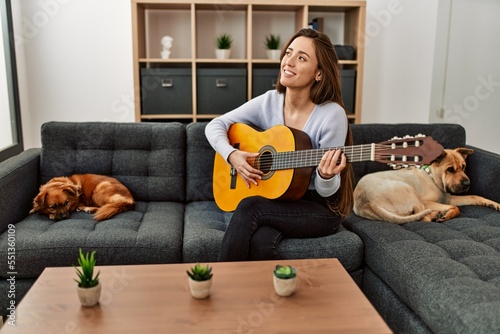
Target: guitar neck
point(312, 157)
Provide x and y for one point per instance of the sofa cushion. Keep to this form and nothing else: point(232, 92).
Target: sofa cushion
point(148, 158)
point(448, 273)
point(152, 233)
point(344, 245)
point(205, 225)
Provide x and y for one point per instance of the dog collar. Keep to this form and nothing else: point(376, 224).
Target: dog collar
point(427, 169)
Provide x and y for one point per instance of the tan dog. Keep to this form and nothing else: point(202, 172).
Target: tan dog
point(411, 194)
point(102, 195)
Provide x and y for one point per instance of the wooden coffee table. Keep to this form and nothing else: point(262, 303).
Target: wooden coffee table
point(156, 299)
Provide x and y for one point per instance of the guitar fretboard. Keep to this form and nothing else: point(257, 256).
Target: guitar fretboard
point(312, 157)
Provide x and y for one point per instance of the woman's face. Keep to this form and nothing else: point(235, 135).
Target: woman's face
point(299, 66)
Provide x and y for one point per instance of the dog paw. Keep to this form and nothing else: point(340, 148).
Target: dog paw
point(440, 216)
point(445, 215)
point(86, 209)
point(494, 206)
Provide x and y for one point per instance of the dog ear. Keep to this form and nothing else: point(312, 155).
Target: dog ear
point(441, 157)
point(464, 151)
point(38, 202)
point(73, 189)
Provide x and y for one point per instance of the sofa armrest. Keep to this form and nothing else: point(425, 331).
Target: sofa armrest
point(19, 182)
point(484, 173)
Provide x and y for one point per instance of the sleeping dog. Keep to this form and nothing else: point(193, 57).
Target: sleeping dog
point(101, 195)
point(411, 194)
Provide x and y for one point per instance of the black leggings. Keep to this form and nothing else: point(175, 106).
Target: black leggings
point(259, 224)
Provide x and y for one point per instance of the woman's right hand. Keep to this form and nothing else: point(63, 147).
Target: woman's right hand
point(239, 160)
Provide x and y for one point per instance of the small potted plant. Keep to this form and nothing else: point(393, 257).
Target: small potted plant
point(89, 289)
point(285, 280)
point(273, 46)
point(200, 281)
point(223, 45)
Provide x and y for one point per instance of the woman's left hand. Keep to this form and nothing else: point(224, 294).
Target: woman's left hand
point(329, 166)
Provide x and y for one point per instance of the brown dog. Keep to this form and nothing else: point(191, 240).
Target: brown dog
point(411, 194)
point(102, 195)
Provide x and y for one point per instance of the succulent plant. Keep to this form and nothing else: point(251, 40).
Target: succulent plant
point(273, 42)
point(199, 273)
point(285, 272)
point(224, 41)
point(86, 273)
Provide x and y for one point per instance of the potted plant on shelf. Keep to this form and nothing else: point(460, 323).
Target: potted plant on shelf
point(200, 281)
point(285, 280)
point(89, 288)
point(223, 45)
point(273, 46)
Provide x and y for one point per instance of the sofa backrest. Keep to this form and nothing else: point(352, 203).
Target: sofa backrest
point(199, 164)
point(200, 154)
point(172, 161)
point(148, 158)
point(448, 135)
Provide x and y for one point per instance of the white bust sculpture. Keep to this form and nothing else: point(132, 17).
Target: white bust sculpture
point(166, 43)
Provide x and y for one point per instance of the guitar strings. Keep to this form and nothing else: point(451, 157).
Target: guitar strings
point(312, 157)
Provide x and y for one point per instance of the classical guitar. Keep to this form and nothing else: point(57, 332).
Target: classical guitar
point(287, 159)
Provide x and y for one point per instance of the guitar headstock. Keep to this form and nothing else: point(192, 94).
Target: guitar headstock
point(410, 150)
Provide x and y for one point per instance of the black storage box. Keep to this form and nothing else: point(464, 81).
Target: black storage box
point(264, 79)
point(220, 90)
point(345, 52)
point(348, 88)
point(166, 91)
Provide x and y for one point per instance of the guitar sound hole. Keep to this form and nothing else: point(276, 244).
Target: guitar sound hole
point(264, 163)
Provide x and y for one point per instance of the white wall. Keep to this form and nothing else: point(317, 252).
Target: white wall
point(399, 53)
point(434, 62)
point(470, 87)
point(76, 62)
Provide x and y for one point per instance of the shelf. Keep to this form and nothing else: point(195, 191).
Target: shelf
point(166, 61)
point(167, 116)
point(195, 24)
point(177, 116)
point(221, 61)
point(348, 62)
point(265, 61)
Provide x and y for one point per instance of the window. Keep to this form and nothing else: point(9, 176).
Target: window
point(11, 142)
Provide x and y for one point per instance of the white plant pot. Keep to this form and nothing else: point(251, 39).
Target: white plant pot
point(223, 53)
point(284, 287)
point(199, 289)
point(89, 296)
point(273, 54)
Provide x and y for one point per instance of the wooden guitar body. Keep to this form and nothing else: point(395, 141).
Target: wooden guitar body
point(229, 189)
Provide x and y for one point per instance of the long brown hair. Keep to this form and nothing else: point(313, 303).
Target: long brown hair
point(327, 90)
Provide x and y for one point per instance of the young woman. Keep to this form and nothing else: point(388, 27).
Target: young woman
point(308, 98)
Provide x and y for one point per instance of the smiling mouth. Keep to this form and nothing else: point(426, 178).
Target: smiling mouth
point(287, 72)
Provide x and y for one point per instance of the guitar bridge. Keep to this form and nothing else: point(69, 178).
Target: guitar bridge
point(232, 171)
point(233, 174)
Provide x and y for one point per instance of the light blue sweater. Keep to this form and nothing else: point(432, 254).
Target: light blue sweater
point(327, 127)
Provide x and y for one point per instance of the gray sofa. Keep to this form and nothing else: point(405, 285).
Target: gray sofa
point(421, 277)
